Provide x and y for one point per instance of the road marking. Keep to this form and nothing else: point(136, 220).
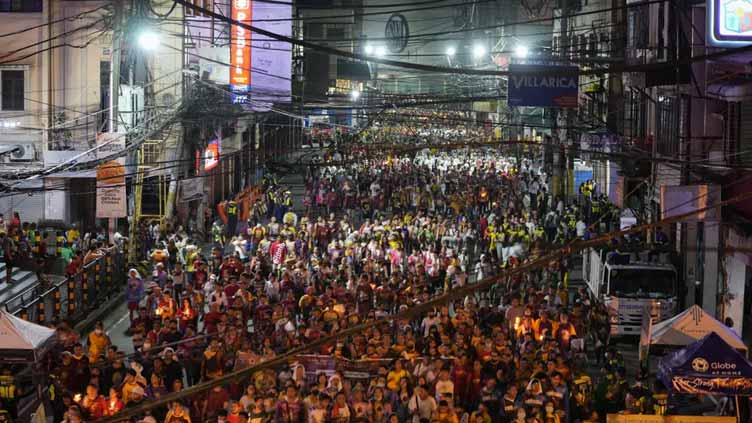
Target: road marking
point(125, 316)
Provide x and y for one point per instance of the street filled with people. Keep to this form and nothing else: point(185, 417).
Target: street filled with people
point(374, 239)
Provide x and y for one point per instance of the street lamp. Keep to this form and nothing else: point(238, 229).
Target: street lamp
point(450, 51)
point(369, 49)
point(479, 51)
point(521, 51)
point(148, 40)
point(355, 95)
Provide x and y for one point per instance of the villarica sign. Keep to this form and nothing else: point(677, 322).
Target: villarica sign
point(729, 22)
point(535, 85)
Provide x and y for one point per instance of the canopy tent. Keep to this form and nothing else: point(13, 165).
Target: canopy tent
point(22, 341)
point(689, 326)
point(707, 366)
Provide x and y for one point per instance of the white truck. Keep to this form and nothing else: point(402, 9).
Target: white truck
point(628, 288)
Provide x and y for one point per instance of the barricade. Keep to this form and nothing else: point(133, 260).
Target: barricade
point(76, 295)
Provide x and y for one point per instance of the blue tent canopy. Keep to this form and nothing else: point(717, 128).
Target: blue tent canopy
point(707, 366)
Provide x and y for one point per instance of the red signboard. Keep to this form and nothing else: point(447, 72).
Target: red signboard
point(240, 46)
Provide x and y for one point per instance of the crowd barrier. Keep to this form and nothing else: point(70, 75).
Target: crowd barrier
point(74, 297)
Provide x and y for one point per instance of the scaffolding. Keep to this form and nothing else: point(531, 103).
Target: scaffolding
point(146, 157)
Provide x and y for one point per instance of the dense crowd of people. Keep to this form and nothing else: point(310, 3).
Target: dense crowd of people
point(375, 240)
point(25, 244)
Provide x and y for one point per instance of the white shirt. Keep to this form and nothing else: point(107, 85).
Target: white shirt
point(218, 297)
point(423, 407)
point(375, 189)
point(580, 227)
point(427, 323)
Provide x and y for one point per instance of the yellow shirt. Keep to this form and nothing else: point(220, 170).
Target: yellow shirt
point(97, 345)
point(73, 235)
point(128, 392)
point(393, 378)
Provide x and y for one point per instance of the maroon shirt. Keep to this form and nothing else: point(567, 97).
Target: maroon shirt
point(215, 400)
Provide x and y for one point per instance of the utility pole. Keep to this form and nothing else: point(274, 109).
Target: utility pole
point(115, 65)
point(615, 117)
point(117, 35)
point(115, 77)
point(559, 154)
point(177, 154)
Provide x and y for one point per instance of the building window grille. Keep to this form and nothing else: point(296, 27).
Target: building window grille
point(12, 87)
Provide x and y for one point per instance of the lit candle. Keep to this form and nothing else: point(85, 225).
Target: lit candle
point(77, 398)
point(113, 404)
point(516, 322)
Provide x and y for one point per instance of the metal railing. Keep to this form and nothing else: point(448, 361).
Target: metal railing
point(76, 295)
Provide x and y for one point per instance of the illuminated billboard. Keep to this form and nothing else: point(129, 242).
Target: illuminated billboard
point(240, 49)
point(262, 65)
point(729, 22)
point(208, 158)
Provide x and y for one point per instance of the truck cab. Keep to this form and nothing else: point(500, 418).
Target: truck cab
point(626, 289)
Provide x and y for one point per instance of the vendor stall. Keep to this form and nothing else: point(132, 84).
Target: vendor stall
point(22, 341)
point(689, 326)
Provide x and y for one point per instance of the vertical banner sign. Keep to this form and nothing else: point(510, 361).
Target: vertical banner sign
point(240, 51)
point(541, 85)
point(271, 77)
point(111, 198)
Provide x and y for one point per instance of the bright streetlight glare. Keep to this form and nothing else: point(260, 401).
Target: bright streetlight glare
point(521, 51)
point(479, 51)
point(380, 51)
point(148, 40)
point(451, 51)
point(355, 94)
point(369, 49)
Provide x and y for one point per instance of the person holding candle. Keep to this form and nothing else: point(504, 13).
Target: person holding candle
point(93, 404)
point(114, 404)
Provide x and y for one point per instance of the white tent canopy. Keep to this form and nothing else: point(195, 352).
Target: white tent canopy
point(689, 326)
point(22, 341)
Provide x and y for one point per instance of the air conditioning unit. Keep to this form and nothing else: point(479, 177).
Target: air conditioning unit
point(22, 153)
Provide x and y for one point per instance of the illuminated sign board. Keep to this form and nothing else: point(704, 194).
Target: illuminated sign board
point(240, 49)
point(729, 22)
point(271, 60)
point(211, 154)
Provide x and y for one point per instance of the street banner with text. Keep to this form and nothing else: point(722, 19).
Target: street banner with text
point(111, 197)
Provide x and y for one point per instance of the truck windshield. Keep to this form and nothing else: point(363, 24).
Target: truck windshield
point(643, 283)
